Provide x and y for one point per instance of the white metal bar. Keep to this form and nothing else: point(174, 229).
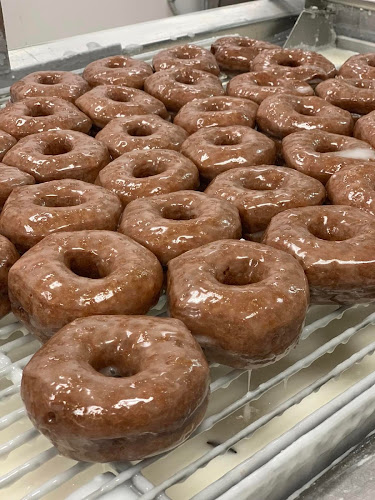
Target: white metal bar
point(17, 441)
point(12, 417)
point(25, 339)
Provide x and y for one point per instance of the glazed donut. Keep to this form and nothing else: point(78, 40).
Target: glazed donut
point(189, 55)
point(117, 70)
point(106, 102)
point(354, 95)
point(70, 275)
point(320, 154)
point(178, 86)
point(354, 186)
point(170, 225)
point(244, 302)
point(261, 84)
point(62, 84)
point(130, 133)
point(8, 256)
point(365, 129)
point(261, 192)
point(6, 143)
point(141, 174)
point(10, 178)
point(40, 114)
point(33, 212)
point(281, 115)
point(59, 154)
point(215, 150)
point(147, 377)
point(235, 53)
point(216, 112)
point(359, 66)
point(295, 63)
point(335, 245)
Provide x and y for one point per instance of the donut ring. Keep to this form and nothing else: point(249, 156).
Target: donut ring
point(158, 369)
point(10, 178)
point(335, 246)
point(189, 55)
point(59, 154)
point(354, 186)
point(216, 112)
point(62, 84)
point(40, 114)
point(244, 302)
point(281, 115)
point(6, 143)
point(295, 63)
point(106, 102)
point(320, 154)
point(141, 174)
point(178, 86)
point(98, 272)
point(354, 95)
point(235, 53)
point(365, 129)
point(130, 133)
point(8, 256)
point(359, 66)
point(261, 192)
point(117, 70)
point(261, 84)
point(170, 225)
point(33, 212)
point(215, 150)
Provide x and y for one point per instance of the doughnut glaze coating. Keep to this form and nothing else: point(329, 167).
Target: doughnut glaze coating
point(141, 174)
point(59, 154)
point(321, 154)
point(359, 66)
point(154, 401)
point(216, 112)
point(10, 178)
point(70, 275)
point(354, 95)
point(215, 150)
point(244, 302)
point(8, 256)
point(260, 192)
point(189, 55)
point(364, 129)
point(335, 245)
point(63, 84)
point(172, 224)
point(6, 143)
point(33, 212)
point(122, 135)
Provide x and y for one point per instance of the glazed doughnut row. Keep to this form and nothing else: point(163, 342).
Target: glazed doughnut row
point(243, 204)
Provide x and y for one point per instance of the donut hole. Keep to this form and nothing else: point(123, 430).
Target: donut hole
point(189, 53)
point(108, 368)
point(324, 147)
point(178, 212)
point(185, 78)
point(117, 95)
point(289, 63)
point(58, 200)
point(217, 106)
point(117, 62)
point(229, 139)
point(148, 169)
point(322, 230)
point(49, 79)
point(142, 130)
point(86, 264)
point(263, 182)
point(239, 272)
point(306, 110)
point(58, 146)
point(40, 109)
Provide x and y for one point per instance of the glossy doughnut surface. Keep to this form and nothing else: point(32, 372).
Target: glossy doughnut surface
point(354, 95)
point(359, 66)
point(189, 55)
point(10, 178)
point(6, 143)
point(8, 256)
point(365, 129)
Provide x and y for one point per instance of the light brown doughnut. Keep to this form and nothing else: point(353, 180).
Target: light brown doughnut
point(359, 66)
point(10, 178)
point(6, 143)
point(364, 129)
point(8, 256)
point(354, 95)
point(189, 55)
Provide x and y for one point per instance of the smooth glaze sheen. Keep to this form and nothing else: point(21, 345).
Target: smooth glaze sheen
point(354, 95)
point(365, 129)
point(170, 225)
point(335, 245)
point(189, 55)
point(33, 212)
point(8, 256)
point(154, 400)
point(140, 174)
point(359, 66)
point(7, 141)
point(10, 178)
point(244, 302)
point(215, 150)
point(59, 154)
point(77, 274)
point(261, 192)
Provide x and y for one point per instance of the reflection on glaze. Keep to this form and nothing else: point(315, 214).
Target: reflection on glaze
point(353, 94)
point(189, 55)
point(10, 178)
point(359, 66)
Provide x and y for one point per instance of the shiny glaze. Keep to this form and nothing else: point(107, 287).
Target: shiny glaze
point(354, 95)
point(63, 84)
point(122, 135)
point(258, 85)
point(215, 150)
point(216, 112)
point(10, 178)
point(335, 245)
point(261, 192)
point(245, 302)
point(8, 256)
point(140, 174)
point(116, 276)
point(7, 141)
point(235, 53)
point(321, 154)
point(281, 115)
point(106, 102)
point(117, 70)
point(354, 186)
point(359, 66)
point(178, 86)
point(33, 212)
point(189, 55)
point(365, 129)
point(40, 114)
point(156, 399)
point(172, 224)
point(295, 63)
point(59, 154)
